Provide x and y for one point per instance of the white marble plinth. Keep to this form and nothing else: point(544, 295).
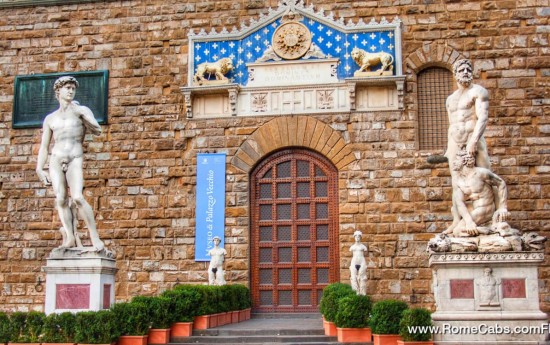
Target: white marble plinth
point(79, 282)
point(490, 298)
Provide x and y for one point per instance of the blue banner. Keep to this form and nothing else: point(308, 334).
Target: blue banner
point(210, 203)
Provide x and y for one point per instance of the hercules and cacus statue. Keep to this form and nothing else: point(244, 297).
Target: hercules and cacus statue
point(479, 209)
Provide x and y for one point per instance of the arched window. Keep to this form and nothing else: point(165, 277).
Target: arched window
point(435, 84)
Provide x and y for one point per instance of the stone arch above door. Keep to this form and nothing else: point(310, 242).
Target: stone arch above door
point(432, 54)
point(297, 131)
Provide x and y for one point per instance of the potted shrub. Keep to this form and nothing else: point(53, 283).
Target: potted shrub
point(415, 327)
point(385, 319)
point(352, 319)
point(206, 308)
point(185, 302)
point(245, 303)
point(133, 323)
point(328, 305)
point(26, 327)
point(5, 328)
point(95, 327)
point(161, 316)
point(59, 328)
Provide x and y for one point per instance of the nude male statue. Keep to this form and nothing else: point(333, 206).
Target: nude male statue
point(68, 125)
point(215, 269)
point(468, 112)
point(358, 265)
point(474, 196)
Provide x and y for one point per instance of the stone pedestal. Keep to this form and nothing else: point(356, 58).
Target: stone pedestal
point(77, 282)
point(488, 298)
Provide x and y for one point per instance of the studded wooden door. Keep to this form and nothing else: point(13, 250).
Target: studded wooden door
point(294, 220)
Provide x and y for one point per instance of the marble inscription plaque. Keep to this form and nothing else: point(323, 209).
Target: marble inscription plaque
point(306, 72)
point(513, 288)
point(462, 288)
point(72, 296)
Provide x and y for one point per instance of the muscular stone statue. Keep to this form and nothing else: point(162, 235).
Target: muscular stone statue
point(468, 112)
point(474, 198)
point(216, 275)
point(358, 265)
point(68, 125)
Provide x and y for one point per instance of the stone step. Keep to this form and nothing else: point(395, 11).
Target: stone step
point(266, 329)
point(217, 332)
point(260, 339)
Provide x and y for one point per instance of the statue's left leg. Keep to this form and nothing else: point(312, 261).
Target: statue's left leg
point(75, 180)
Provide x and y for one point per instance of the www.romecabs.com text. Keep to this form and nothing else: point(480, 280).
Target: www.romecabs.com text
point(483, 328)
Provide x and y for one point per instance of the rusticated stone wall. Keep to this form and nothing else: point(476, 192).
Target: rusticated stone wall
point(140, 173)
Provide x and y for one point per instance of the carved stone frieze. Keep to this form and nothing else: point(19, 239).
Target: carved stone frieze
point(467, 258)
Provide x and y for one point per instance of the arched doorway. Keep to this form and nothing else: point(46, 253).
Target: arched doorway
point(294, 230)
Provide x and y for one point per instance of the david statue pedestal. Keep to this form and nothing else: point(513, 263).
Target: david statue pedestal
point(77, 277)
point(485, 272)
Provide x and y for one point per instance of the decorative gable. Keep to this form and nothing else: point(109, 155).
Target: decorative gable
point(308, 61)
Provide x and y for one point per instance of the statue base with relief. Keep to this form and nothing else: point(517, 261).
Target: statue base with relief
point(487, 298)
point(78, 280)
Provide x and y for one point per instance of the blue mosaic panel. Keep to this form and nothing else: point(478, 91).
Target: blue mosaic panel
point(332, 42)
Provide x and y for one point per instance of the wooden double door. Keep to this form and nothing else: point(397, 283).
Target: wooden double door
point(294, 231)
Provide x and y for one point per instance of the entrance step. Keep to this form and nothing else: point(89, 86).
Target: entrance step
point(266, 329)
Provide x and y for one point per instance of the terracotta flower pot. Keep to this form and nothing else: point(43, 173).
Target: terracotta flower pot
point(201, 322)
point(58, 343)
point(182, 329)
point(235, 316)
point(159, 336)
point(386, 339)
point(242, 315)
point(132, 340)
point(247, 313)
point(354, 335)
point(402, 342)
point(330, 329)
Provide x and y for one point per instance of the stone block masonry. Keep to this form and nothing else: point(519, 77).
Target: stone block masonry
point(140, 173)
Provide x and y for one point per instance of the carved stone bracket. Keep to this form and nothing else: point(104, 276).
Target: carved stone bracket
point(351, 87)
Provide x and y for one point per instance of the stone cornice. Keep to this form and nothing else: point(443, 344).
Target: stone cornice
point(515, 258)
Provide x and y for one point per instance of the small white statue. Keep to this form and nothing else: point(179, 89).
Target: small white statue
point(216, 274)
point(67, 126)
point(358, 266)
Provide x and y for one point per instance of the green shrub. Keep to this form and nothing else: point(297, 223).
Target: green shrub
point(230, 297)
point(131, 318)
point(241, 294)
point(204, 305)
point(59, 328)
point(418, 317)
point(386, 316)
point(332, 293)
point(353, 312)
point(5, 328)
point(160, 310)
point(96, 327)
point(185, 302)
point(26, 327)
